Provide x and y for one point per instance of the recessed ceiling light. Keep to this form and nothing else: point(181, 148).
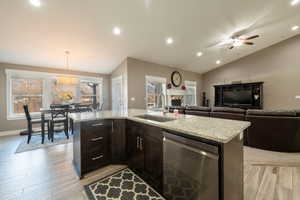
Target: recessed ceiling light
point(169, 40)
point(117, 31)
point(294, 28)
point(294, 2)
point(36, 3)
point(218, 62)
point(199, 54)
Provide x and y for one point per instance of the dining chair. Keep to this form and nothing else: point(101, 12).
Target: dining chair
point(59, 119)
point(83, 108)
point(31, 122)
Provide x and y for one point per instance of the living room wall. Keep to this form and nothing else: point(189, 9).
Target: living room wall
point(138, 70)
point(7, 125)
point(278, 66)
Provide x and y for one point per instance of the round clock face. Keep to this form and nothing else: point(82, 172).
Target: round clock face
point(176, 78)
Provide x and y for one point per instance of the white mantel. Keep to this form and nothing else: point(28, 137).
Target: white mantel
point(176, 92)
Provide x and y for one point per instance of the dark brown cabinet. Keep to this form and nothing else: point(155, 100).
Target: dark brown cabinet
point(145, 152)
point(92, 144)
point(135, 154)
point(103, 142)
point(118, 142)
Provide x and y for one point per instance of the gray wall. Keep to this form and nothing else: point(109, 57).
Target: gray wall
point(6, 125)
point(138, 69)
point(277, 66)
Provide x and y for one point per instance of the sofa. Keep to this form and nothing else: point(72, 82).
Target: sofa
point(269, 130)
point(274, 130)
point(228, 113)
point(198, 110)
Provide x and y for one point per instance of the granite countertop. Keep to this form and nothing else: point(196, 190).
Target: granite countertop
point(218, 130)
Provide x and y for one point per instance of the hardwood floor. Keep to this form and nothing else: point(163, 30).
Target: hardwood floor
point(48, 174)
point(43, 174)
point(271, 175)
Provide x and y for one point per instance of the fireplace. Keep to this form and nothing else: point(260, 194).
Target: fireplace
point(176, 100)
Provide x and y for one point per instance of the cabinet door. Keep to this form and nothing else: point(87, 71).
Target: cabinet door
point(118, 142)
point(135, 154)
point(153, 143)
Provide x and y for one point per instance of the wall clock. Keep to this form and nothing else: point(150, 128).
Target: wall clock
point(176, 78)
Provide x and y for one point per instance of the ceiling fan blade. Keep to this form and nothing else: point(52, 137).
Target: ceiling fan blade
point(231, 47)
point(251, 37)
point(249, 43)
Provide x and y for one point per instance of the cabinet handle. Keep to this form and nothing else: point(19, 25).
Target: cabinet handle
point(138, 142)
point(99, 124)
point(98, 157)
point(112, 126)
point(96, 139)
point(141, 144)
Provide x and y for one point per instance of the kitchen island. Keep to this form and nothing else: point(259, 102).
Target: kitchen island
point(167, 150)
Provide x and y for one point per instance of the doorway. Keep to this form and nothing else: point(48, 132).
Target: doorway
point(117, 94)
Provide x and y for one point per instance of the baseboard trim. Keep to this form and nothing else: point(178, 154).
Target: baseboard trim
point(13, 132)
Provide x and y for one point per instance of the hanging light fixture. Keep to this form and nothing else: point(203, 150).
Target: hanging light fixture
point(67, 80)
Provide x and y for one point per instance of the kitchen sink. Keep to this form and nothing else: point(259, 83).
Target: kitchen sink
point(155, 118)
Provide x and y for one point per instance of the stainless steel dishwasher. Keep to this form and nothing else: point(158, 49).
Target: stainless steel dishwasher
point(190, 168)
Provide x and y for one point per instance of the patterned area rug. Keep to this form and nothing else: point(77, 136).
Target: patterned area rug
point(123, 185)
point(36, 142)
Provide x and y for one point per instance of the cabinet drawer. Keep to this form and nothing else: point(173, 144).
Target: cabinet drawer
point(97, 139)
point(97, 159)
point(97, 129)
point(99, 145)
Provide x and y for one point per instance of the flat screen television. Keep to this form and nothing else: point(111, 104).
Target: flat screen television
point(237, 97)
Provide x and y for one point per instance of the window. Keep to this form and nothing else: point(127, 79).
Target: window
point(155, 92)
point(89, 93)
point(38, 89)
point(191, 93)
point(26, 91)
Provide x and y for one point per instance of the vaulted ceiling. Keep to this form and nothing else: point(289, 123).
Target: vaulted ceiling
point(39, 36)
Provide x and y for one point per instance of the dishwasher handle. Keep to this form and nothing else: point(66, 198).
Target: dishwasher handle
point(196, 150)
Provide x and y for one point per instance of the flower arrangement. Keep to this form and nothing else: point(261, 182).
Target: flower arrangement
point(169, 86)
point(65, 96)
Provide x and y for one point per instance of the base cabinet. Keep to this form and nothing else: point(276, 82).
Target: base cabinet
point(145, 152)
point(118, 142)
point(91, 146)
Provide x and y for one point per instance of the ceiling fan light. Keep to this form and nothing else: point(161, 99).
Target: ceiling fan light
point(237, 42)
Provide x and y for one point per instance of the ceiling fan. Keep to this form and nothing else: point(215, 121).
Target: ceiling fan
point(237, 40)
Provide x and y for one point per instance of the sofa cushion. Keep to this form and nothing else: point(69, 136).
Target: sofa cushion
point(198, 108)
point(298, 113)
point(198, 113)
point(287, 113)
point(228, 110)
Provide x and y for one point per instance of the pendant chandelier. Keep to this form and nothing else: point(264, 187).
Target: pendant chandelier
point(67, 80)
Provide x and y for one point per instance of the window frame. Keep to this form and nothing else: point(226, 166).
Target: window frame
point(191, 84)
point(100, 90)
point(162, 80)
point(46, 91)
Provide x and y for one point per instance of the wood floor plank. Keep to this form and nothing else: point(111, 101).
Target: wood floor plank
point(252, 181)
point(284, 185)
point(296, 183)
point(266, 190)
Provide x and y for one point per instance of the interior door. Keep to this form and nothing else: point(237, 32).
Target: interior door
point(117, 95)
